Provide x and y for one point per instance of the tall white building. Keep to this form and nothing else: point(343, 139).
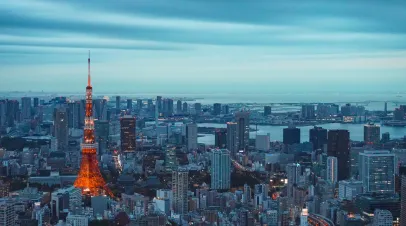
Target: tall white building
point(232, 139)
point(191, 136)
point(77, 220)
point(293, 171)
point(348, 189)
point(26, 108)
point(382, 218)
point(180, 185)
point(377, 171)
point(262, 142)
point(332, 169)
point(220, 169)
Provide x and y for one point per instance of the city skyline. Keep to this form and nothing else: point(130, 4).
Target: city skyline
point(196, 46)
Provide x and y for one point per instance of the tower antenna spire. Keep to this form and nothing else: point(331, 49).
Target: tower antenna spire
point(88, 69)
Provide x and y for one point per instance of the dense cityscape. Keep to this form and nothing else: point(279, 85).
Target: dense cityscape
point(123, 161)
point(203, 113)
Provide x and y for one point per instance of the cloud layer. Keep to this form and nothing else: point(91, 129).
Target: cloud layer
point(195, 43)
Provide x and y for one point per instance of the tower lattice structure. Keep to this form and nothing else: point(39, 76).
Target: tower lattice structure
point(90, 179)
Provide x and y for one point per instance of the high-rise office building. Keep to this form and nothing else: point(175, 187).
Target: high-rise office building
point(61, 128)
point(216, 109)
point(179, 106)
point(102, 129)
point(13, 107)
point(225, 109)
point(338, 145)
point(180, 186)
point(36, 102)
point(372, 133)
point(399, 114)
point(385, 137)
point(332, 169)
point(78, 220)
point(100, 109)
point(167, 107)
point(118, 102)
point(73, 115)
point(3, 113)
point(26, 108)
point(308, 111)
point(128, 133)
point(232, 139)
point(184, 108)
point(262, 142)
point(293, 172)
point(267, 110)
point(291, 135)
point(377, 171)
point(318, 137)
point(220, 169)
point(140, 104)
point(220, 138)
point(191, 136)
point(243, 132)
point(198, 108)
point(129, 105)
point(158, 104)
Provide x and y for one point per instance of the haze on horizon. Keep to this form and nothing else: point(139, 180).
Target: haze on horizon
point(203, 46)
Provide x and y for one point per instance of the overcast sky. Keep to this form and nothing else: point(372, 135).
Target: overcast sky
point(203, 46)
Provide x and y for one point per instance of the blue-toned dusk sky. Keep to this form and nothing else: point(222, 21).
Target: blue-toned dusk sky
point(203, 46)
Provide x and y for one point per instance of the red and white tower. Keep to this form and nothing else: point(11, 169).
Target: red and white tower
point(90, 179)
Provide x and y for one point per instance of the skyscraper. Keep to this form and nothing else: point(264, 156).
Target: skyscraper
point(3, 113)
point(220, 169)
point(198, 108)
point(102, 129)
point(262, 142)
point(220, 138)
point(61, 128)
point(118, 107)
point(332, 169)
point(232, 139)
point(179, 106)
point(267, 110)
point(73, 115)
point(243, 122)
point(167, 107)
point(7, 213)
point(216, 109)
point(36, 102)
point(158, 104)
point(291, 135)
point(129, 105)
point(184, 107)
point(180, 185)
point(377, 171)
point(139, 104)
point(339, 146)
point(293, 172)
point(128, 133)
point(308, 111)
point(191, 136)
point(100, 109)
point(372, 133)
point(318, 137)
point(26, 108)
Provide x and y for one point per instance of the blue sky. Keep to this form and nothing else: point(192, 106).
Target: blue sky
point(203, 46)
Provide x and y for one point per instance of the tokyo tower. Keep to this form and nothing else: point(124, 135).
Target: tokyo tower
point(90, 179)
